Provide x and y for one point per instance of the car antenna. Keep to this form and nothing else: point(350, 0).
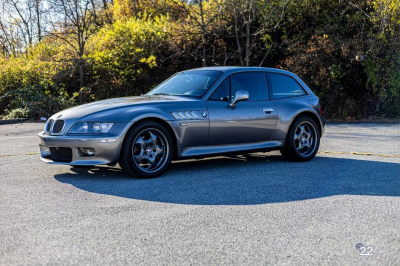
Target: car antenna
point(266, 56)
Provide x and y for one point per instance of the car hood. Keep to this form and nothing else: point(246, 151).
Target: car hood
point(117, 103)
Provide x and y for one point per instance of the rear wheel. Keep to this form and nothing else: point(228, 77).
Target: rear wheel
point(302, 141)
point(147, 150)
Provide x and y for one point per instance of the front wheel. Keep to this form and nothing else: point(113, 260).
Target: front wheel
point(147, 150)
point(302, 141)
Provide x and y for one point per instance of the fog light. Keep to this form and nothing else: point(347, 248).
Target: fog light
point(44, 151)
point(86, 152)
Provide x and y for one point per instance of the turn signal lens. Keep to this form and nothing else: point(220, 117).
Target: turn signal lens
point(105, 127)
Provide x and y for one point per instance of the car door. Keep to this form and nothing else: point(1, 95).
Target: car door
point(253, 120)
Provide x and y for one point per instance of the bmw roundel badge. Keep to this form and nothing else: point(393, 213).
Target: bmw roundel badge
point(204, 114)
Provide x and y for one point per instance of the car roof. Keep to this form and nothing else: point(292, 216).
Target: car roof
point(234, 69)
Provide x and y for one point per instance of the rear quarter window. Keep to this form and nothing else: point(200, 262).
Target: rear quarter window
point(284, 86)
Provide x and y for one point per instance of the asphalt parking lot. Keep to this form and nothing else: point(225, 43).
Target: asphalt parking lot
point(254, 210)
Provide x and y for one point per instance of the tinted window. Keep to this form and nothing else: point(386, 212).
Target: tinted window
point(284, 86)
point(253, 82)
point(222, 92)
point(190, 83)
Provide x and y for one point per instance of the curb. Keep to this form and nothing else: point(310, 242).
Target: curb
point(12, 121)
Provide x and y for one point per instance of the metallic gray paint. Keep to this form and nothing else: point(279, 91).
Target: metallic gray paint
point(106, 152)
point(217, 149)
point(239, 97)
point(289, 109)
point(245, 123)
point(248, 126)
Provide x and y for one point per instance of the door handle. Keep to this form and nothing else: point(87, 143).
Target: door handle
point(268, 110)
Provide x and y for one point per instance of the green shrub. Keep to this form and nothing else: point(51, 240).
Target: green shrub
point(17, 113)
point(40, 100)
point(123, 54)
point(20, 74)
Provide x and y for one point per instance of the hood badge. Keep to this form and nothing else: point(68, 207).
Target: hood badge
point(59, 116)
point(204, 114)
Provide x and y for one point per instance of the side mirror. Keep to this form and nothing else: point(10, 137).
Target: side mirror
point(239, 96)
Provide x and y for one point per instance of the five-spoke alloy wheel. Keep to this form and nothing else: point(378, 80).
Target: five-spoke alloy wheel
point(147, 150)
point(302, 141)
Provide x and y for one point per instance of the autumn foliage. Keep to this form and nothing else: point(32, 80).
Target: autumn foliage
point(347, 51)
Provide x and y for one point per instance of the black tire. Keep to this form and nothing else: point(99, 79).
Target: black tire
point(147, 150)
point(298, 146)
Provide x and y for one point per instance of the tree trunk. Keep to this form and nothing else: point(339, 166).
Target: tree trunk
point(247, 58)
point(80, 81)
point(203, 34)
point(237, 34)
point(39, 30)
point(250, 19)
point(135, 8)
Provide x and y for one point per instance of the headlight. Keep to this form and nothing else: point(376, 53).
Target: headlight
point(90, 128)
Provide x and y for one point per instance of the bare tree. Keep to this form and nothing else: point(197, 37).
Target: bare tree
point(8, 39)
point(107, 10)
point(195, 11)
point(23, 11)
point(20, 21)
point(135, 7)
point(236, 17)
point(38, 9)
point(252, 18)
point(73, 22)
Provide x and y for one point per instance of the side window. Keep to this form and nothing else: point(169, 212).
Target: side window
point(253, 82)
point(284, 86)
point(222, 92)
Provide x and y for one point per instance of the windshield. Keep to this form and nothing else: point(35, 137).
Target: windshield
point(190, 83)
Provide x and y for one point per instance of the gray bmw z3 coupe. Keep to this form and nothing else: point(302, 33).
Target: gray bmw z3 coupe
point(195, 113)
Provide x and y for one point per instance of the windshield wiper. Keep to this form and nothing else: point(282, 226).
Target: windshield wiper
point(160, 93)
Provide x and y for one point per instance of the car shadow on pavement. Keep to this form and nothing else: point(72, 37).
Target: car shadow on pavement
point(255, 179)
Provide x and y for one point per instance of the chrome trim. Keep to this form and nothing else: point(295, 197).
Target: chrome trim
point(52, 126)
point(51, 121)
point(189, 115)
point(268, 110)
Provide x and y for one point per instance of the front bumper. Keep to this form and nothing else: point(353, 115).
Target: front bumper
point(107, 147)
